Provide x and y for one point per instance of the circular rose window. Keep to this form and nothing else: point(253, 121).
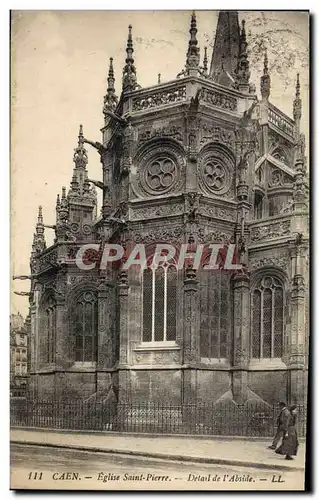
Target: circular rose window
point(161, 174)
point(215, 174)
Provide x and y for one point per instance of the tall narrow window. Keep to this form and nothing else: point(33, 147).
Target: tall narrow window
point(84, 321)
point(267, 319)
point(159, 304)
point(215, 314)
point(258, 206)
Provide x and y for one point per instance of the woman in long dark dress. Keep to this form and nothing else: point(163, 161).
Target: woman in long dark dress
point(290, 443)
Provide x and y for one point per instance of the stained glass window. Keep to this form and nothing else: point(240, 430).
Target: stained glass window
point(159, 304)
point(84, 322)
point(267, 318)
point(215, 313)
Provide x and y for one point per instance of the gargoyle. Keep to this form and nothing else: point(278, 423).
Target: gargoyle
point(98, 184)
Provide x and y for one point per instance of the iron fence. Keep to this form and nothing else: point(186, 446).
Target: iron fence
point(257, 420)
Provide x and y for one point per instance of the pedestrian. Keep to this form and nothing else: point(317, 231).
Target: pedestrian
point(282, 424)
point(290, 442)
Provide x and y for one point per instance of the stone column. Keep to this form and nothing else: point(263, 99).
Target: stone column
point(34, 340)
point(123, 288)
point(241, 322)
point(296, 353)
point(106, 336)
point(63, 354)
point(191, 335)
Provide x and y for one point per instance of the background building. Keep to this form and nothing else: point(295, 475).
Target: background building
point(198, 159)
point(18, 355)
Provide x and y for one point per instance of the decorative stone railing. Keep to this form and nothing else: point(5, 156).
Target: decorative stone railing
point(268, 230)
point(181, 90)
point(155, 97)
point(47, 259)
point(218, 99)
point(279, 120)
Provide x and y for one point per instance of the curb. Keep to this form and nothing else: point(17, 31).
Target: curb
point(164, 456)
point(150, 435)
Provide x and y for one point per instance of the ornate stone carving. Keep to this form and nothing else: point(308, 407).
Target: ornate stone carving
point(218, 212)
point(47, 260)
point(87, 229)
point(215, 172)
point(207, 236)
point(159, 99)
point(86, 278)
point(218, 99)
point(192, 206)
point(160, 235)
point(160, 174)
point(279, 178)
point(218, 134)
point(280, 260)
point(161, 170)
point(240, 356)
point(173, 131)
point(157, 211)
point(270, 231)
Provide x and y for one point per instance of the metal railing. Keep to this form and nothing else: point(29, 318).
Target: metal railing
point(255, 419)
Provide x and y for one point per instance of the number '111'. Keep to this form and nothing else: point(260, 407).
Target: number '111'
point(35, 475)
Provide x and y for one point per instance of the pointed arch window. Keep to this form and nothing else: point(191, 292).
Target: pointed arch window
point(215, 313)
point(159, 304)
point(85, 321)
point(267, 319)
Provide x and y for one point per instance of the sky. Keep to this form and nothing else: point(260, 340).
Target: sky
point(59, 63)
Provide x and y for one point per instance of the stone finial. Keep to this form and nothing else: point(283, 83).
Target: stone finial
point(192, 57)
point(40, 216)
point(80, 154)
point(129, 70)
point(110, 99)
point(242, 70)
point(159, 78)
point(39, 243)
point(265, 80)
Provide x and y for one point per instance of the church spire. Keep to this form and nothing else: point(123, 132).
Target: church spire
point(79, 184)
point(242, 70)
point(110, 99)
point(39, 244)
point(192, 58)
point(129, 70)
point(226, 47)
point(265, 80)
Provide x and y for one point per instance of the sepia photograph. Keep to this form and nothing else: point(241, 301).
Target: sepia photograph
point(159, 322)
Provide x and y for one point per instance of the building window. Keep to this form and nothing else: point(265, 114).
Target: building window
point(50, 330)
point(215, 313)
point(84, 321)
point(159, 304)
point(267, 319)
point(258, 206)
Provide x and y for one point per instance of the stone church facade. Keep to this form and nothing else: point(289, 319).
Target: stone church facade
point(198, 160)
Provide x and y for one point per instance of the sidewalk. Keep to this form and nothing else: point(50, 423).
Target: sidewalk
point(191, 449)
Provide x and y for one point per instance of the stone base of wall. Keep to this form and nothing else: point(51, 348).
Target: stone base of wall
point(180, 386)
